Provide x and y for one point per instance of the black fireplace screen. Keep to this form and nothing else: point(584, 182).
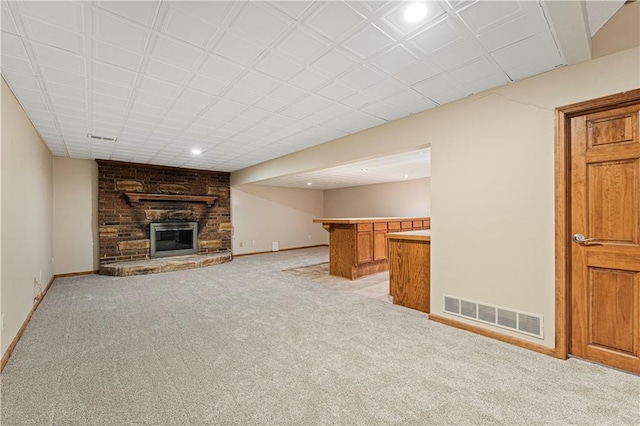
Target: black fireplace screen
point(173, 238)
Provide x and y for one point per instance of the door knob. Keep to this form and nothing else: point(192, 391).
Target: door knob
point(578, 238)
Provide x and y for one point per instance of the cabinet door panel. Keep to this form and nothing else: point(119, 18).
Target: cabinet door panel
point(379, 245)
point(364, 247)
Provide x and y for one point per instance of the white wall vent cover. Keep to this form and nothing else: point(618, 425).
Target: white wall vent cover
point(521, 322)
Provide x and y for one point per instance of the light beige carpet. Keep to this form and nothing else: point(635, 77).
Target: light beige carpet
point(245, 343)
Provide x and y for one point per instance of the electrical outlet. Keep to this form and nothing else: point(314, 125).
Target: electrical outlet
point(254, 242)
point(240, 244)
point(309, 237)
point(40, 280)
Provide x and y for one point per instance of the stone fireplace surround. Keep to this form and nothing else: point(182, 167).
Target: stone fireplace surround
point(131, 196)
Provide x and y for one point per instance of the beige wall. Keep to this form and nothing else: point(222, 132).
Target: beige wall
point(621, 32)
point(491, 182)
point(265, 214)
point(405, 198)
point(27, 206)
point(75, 208)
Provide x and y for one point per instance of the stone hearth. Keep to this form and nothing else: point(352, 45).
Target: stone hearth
point(166, 264)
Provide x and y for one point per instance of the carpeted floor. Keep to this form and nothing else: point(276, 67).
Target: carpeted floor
point(246, 343)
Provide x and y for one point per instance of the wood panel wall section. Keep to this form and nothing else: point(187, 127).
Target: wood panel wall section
point(358, 246)
point(410, 269)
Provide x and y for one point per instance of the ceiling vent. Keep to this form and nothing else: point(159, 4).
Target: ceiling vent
point(101, 138)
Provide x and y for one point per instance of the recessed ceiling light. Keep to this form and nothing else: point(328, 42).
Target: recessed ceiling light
point(196, 151)
point(415, 12)
point(309, 183)
point(364, 169)
point(406, 176)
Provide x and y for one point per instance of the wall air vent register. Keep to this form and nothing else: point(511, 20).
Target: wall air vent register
point(518, 321)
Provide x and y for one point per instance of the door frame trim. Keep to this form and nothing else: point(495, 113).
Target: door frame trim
point(562, 205)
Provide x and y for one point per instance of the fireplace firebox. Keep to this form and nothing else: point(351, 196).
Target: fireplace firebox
point(173, 239)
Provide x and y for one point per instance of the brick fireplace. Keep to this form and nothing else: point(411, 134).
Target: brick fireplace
point(133, 196)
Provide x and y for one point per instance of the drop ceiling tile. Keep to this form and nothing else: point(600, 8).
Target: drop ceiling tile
point(185, 108)
point(459, 54)
point(239, 94)
point(57, 89)
point(220, 68)
point(477, 69)
point(313, 103)
point(12, 46)
point(308, 79)
point(333, 111)
point(261, 23)
point(164, 71)
point(368, 41)
point(73, 114)
point(385, 88)
point(153, 100)
point(54, 36)
point(336, 91)
point(271, 104)
point(175, 52)
point(449, 95)
point(228, 106)
point(353, 122)
point(292, 8)
point(294, 112)
point(416, 73)
point(16, 65)
point(206, 84)
point(21, 80)
point(119, 32)
point(439, 36)
point(151, 111)
point(302, 46)
point(513, 30)
point(112, 74)
point(158, 87)
point(110, 101)
point(410, 102)
point(485, 83)
point(528, 57)
point(258, 82)
point(335, 19)
point(358, 100)
point(276, 66)
point(142, 12)
point(67, 15)
point(195, 97)
point(362, 77)
point(60, 59)
point(8, 25)
point(237, 49)
point(395, 59)
point(116, 56)
point(187, 28)
point(483, 14)
point(29, 96)
point(215, 12)
point(439, 89)
point(335, 62)
point(395, 17)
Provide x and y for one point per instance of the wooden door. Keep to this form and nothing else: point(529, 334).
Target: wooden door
point(605, 209)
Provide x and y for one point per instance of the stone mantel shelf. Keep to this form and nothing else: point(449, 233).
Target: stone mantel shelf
point(135, 197)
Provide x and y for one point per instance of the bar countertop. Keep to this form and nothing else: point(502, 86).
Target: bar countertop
point(349, 220)
point(424, 235)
